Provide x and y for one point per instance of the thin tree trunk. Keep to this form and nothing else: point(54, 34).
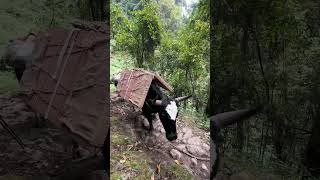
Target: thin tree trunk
point(215, 12)
point(313, 148)
point(267, 93)
point(93, 10)
point(244, 49)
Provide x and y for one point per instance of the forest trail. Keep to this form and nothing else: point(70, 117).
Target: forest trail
point(36, 158)
point(136, 153)
point(47, 152)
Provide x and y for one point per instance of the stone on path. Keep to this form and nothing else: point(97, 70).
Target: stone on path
point(204, 168)
point(194, 162)
point(206, 147)
point(162, 131)
point(181, 147)
point(196, 150)
point(194, 141)
point(144, 121)
point(175, 154)
point(187, 134)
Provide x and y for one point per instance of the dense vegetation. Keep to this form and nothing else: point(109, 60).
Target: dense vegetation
point(267, 52)
point(251, 52)
point(160, 37)
point(19, 17)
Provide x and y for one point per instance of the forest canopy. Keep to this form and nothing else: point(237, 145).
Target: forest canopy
point(168, 37)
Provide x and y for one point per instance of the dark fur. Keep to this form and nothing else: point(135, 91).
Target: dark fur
point(149, 109)
point(19, 68)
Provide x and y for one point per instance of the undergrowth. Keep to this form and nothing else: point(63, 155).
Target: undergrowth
point(119, 62)
point(19, 17)
point(131, 162)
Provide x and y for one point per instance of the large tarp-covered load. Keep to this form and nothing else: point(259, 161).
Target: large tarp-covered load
point(66, 79)
point(134, 84)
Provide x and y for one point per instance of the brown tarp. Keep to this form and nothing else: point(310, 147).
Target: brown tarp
point(66, 81)
point(134, 85)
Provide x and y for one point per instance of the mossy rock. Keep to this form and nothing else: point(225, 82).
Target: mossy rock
point(177, 172)
point(133, 164)
point(119, 139)
point(115, 120)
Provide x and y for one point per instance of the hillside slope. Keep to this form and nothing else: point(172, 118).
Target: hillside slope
point(137, 153)
point(18, 17)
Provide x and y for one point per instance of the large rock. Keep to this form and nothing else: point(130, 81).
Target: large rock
point(175, 154)
point(204, 168)
point(184, 129)
point(194, 141)
point(144, 121)
point(187, 134)
point(206, 147)
point(156, 134)
point(181, 147)
point(196, 150)
point(194, 162)
point(185, 141)
point(162, 131)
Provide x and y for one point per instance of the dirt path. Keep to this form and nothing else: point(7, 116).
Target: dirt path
point(135, 151)
point(37, 157)
point(185, 158)
point(47, 149)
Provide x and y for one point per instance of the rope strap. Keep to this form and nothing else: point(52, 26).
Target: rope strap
point(128, 84)
point(62, 52)
point(62, 70)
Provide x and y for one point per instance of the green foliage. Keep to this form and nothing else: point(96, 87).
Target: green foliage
point(197, 119)
point(171, 15)
point(130, 162)
point(135, 163)
point(119, 61)
point(19, 17)
point(178, 172)
point(139, 34)
point(157, 37)
point(184, 57)
point(263, 52)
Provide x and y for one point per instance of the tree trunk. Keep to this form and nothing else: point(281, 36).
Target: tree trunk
point(94, 10)
point(312, 159)
point(313, 149)
point(244, 49)
point(258, 49)
point(215, 13)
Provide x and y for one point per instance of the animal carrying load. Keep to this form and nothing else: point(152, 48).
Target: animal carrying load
point(134, 84)
point(66, 79)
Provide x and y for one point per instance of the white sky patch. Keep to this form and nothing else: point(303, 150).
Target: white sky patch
point(186, 10)
point(172, 110)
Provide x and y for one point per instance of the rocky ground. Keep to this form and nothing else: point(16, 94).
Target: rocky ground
point(185, 158)
point(136, 152)
point(47, 149)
